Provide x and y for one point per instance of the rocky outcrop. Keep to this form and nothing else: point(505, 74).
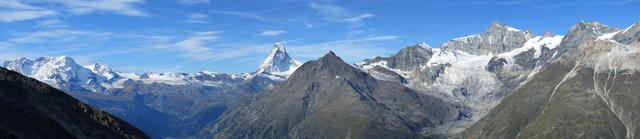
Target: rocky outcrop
point(32, 109)
point(497, 39)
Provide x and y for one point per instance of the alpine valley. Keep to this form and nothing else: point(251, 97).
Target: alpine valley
point(502, 83)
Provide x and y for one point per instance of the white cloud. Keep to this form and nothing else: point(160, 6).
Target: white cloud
point(380, 38)
point(193, 2)
point(272, 32)
point(200, 47)
point(240, 14)
point(52, 23)
point(13, 10)
point(20, 15)
point(56, 36)
point(193, 47)
point(358, 18)
point(332, 13)
point(336, 14)
point(197, 18)
point(124, 7)
point(307, 25)
point(209, 33)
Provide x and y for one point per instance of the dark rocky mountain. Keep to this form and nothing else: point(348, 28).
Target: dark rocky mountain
point(32, 109)
point(327, 98)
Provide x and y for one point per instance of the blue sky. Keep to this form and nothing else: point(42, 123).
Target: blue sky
point(234, 36)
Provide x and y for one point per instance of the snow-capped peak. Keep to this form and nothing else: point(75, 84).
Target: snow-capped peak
point(103, 70)
point(499, 26)
point(424, 45)
point(56, 71)
point(278, 63)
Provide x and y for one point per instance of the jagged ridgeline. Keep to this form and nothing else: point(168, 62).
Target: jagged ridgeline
point(502, 83)
point(32, 109)
point(328, 98)
point(163, 105)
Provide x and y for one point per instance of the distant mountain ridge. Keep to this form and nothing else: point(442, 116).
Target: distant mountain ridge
point(63, 72)
point(180, 101)
point(502, 83)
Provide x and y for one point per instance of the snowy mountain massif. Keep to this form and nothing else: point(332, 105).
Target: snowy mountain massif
point(177, 98)
point(502, 83)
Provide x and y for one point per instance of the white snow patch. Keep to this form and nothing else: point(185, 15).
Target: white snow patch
point(608, 36)
point(535, 43)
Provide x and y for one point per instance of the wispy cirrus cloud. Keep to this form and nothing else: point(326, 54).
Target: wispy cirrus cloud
point(193, 2)
point(199, 18)
point(336, 14)
point(13, 10)
point(357, 19)
point(240, 14)
point(381, 38)
point(124, 7)
point(272, 33)
point(204, 46)
point(52, 23)
point(194, 46)
point(56, 36)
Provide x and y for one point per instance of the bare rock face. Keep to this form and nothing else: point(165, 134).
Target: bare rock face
point(497, 39)
point(408, 58)
point(32, 109)
point(327, 98)
point(629, 35)
point(589, 92)
point(580, 32)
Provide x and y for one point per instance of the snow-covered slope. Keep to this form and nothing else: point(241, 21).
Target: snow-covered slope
point(475, 72)
point(63, 73)
point(278, 65)
point(59, 72)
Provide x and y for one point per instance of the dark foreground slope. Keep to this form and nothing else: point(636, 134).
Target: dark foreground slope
point(328, 98)
point(32, 109)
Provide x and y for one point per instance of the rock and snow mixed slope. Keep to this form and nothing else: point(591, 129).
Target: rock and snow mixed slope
point(157, 102)
point(64, 73)
point(328, 98)
point(474, 72)
point(589, 92)
point(278, 65)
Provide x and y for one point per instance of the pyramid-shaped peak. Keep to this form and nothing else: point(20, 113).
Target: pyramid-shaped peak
point(497, 26)
point(424, 45)
point(548, 34)
point(331, 54)
point(278, 47)
point(592, 25)
point(331, 59)
point(278, 62)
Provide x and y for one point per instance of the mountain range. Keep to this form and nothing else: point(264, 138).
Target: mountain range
point(502, 83)
point(167, 104)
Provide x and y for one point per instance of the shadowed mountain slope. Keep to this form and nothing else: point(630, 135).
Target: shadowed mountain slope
point(32, 109)
point(327, 98)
